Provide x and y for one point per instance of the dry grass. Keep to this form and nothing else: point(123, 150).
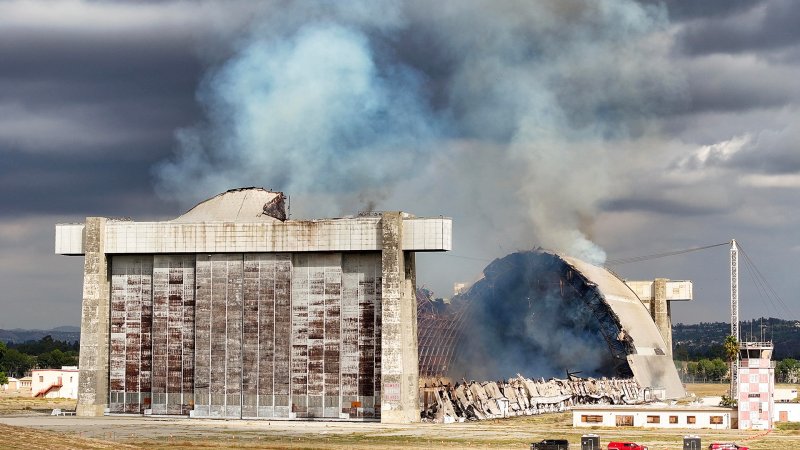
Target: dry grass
point(87, 433)
point(22, 403)
point(32, 438)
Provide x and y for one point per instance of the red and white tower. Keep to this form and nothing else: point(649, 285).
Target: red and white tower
point(756, 386)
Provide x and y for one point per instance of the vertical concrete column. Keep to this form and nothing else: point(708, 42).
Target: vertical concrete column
point(660, 312)
point(93, 383)
point(399, 359)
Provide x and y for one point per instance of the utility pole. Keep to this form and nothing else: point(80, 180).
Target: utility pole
point(735, 316)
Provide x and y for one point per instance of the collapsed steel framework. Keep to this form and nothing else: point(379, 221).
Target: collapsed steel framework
point(441, 326)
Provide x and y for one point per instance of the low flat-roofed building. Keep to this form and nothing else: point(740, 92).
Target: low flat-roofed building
point(654, 416)
point(25, 382)
point(786, 412)
point(11, 385)
point(55, 383)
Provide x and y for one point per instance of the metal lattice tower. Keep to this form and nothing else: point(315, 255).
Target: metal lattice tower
point(735, 315)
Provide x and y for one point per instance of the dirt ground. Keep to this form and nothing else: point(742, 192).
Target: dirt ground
point(34, 428)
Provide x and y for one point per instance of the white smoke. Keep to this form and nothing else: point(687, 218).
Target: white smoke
point(473, 109)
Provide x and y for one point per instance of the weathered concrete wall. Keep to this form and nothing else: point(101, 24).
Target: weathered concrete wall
point(327, 235)
point(93, 389)
point(399, 358)
point(661, 313)
point(131, 321)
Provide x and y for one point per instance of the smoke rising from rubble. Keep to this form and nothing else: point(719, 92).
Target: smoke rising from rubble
point(525, 319)
point(418, 106)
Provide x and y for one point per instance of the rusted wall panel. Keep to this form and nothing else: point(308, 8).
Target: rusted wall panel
point(332, 340)
point(119, 281)
point(173, 333)
point(159, 333)
point(265, 290)
point(251, 331)
point(352, 273)
point(299, 335)
point(129, 357)
point(233, 376)
point(361, 296)
point(202, 340)
point(218, 316)
point(283, 330)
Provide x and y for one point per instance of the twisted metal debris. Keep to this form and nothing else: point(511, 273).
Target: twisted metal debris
point(522, 396)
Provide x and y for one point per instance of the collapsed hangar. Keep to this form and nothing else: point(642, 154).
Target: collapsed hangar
point(232, 311)
point(540, 313)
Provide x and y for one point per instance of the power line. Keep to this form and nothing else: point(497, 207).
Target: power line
point(632, 259)
point(762, 280)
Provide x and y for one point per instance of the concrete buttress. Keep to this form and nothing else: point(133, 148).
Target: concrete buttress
point(399, 357)
point(93, 387)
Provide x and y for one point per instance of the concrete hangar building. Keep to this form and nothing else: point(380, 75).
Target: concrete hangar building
point(232, 311)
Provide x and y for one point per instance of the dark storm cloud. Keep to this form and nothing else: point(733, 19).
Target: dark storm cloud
point(87, 111)
point(685, 205)
point(680, 10)
point(67, 183)
point(771, 25)
point(731, 83)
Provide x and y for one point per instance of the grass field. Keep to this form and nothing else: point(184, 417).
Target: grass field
point(26, 425)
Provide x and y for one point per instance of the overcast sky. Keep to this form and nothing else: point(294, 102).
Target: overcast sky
point(603, 129)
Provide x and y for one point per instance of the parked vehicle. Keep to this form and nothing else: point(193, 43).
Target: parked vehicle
point(727, 446)
point(551, 444)
point(625, 446)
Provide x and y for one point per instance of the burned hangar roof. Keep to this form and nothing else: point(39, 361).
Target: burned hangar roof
point(251, 204)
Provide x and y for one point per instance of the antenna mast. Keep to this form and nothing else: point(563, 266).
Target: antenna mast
point(735, 314)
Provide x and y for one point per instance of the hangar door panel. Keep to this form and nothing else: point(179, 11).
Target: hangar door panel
point(173, 334)
point(218, 331)
point(283, 335)
point(130, 360)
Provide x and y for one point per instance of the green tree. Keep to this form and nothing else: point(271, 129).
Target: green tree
point(731, 347)
point(15, 363)
point(788, 370)
point(719, 369)
point(55, 359)
point(3, 378)
point(692, 368)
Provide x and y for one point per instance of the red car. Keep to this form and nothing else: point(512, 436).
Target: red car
point(727, 446)
point(625, 446)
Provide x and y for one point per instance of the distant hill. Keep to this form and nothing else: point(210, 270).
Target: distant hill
point(705, 339)
point(17, 335)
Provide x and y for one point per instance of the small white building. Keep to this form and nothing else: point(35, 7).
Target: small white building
point(654, 416)
point(55, 383)
point(25, 383)
point(786, 412)
point(785, 395)
point(12, 385)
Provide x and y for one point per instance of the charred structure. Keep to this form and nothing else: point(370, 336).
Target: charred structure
point(542, 314)
point(524, 397)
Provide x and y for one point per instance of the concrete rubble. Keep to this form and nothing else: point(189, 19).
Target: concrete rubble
point(522, 396)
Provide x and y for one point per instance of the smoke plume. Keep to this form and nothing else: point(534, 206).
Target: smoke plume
point(477, 109)
point(526, 317)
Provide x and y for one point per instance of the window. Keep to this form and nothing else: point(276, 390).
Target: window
point(41, 378)
point(624, 421)
point(715, 420)
point(673, 419)
point(653, 419)
point(591, 419)
point(691, 419)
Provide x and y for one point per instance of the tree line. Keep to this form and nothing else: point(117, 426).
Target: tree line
point(18, 359)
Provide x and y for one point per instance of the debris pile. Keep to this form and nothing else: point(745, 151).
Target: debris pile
point(522, 396)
